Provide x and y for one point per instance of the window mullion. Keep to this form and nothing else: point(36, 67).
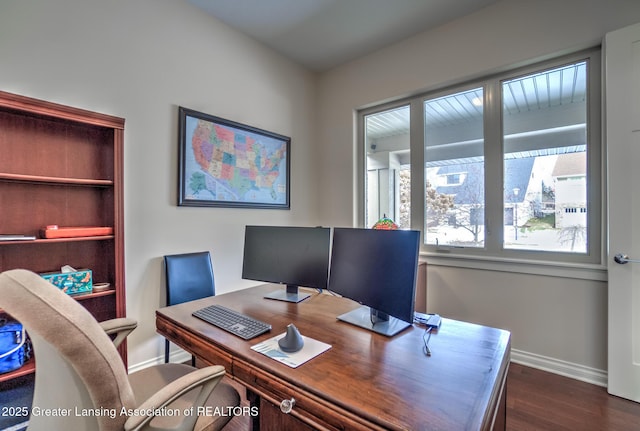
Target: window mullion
point(416, 137)
point(493, 167)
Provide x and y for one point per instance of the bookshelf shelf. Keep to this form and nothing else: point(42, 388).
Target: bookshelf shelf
point(58, 240)
point(45, 180)
point(28, 368)
point(83, 297)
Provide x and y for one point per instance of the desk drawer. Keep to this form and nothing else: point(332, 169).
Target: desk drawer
point(195, 345)
point(311, 409)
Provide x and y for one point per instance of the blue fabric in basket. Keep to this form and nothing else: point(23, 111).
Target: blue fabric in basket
point(12, 346)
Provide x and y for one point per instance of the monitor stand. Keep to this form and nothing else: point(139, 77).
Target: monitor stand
point(291, 294)
point(374, 320)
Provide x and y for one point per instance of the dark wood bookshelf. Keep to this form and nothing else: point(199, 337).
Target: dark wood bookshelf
point(63, 165)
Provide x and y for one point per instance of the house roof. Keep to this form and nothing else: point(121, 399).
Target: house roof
point(517, 173)
point(570, 164)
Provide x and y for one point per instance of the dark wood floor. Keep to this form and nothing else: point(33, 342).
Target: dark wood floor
point(537, 400)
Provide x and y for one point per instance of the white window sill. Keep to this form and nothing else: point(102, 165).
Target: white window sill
point(522, 266)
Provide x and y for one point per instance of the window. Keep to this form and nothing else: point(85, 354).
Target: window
point(544, 116)
point(511, 164)
point(388, 184)
point(453, 135)
point(454, 179)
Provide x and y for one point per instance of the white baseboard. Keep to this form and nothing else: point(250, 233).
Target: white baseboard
point(558, 366)
point(178, 356)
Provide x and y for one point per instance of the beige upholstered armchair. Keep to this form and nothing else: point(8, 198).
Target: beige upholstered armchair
point(81, 382)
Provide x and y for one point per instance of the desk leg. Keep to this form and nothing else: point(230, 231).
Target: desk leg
point(254, 403)
point(500, 423)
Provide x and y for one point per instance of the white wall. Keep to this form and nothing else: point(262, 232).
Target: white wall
point(555, 321)
point(140, 60)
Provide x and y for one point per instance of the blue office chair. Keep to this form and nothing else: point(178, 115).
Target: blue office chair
point(189, 277)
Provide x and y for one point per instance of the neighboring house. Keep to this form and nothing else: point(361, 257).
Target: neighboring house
point(466, 183)
point(533, 187)
point(570, 178)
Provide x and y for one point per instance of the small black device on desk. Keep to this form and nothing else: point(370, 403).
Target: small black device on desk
point(430, 320)
point(239, 324)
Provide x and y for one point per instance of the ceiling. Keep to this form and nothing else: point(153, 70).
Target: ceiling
point(322, 34)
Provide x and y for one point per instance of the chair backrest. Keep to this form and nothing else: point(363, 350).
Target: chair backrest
point(189, 276)
point(77, 364)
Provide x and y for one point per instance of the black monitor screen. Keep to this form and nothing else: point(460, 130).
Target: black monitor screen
point(377, 268)
point(295, 256)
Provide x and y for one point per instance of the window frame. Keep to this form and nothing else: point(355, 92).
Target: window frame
point(493, 255)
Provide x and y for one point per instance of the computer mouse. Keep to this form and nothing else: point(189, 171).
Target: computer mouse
point(292, 341)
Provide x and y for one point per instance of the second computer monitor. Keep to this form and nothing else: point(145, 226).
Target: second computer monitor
point(293, 256)
point(378, 269)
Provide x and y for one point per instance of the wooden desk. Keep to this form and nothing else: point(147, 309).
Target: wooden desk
point(366, 381)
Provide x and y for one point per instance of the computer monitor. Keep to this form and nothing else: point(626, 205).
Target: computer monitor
point(294, 256)
point(378, 269)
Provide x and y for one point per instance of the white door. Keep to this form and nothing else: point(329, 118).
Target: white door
point(622, 128)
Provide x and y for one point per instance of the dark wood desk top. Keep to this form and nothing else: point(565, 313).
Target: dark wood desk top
point(389, 381)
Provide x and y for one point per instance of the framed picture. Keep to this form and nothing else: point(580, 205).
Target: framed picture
point(228, 164)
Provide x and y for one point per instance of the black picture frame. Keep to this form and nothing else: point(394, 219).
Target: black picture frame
point(223, 163)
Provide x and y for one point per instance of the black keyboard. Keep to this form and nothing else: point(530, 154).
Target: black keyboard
point(231, 321)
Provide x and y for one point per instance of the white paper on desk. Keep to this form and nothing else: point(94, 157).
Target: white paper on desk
point(311, 349)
